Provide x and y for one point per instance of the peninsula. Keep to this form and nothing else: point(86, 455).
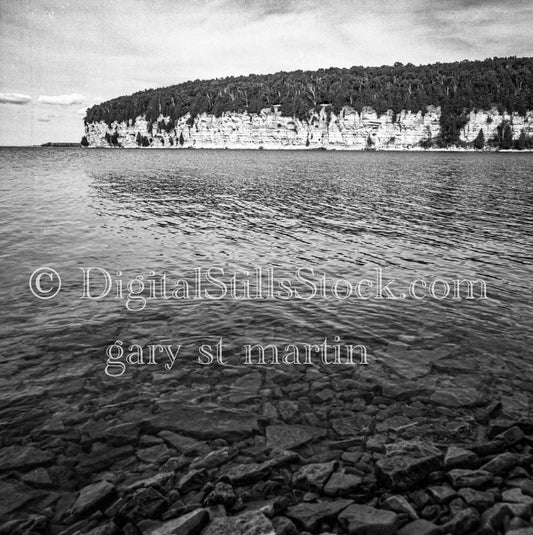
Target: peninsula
point(463, 105)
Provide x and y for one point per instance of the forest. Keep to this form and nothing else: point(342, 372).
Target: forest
point(459, 87)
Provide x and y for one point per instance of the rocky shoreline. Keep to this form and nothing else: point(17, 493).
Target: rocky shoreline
point(269, 451)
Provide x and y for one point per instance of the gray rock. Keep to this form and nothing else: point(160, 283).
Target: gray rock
point(192, 480)
point(364, 520)
point(214, 458)
point(398, 504)
point(516, 496)
point(287, 437)
point(309, 515)
point(341, 484)
point(407, 464)
point(223, 493)
point(501, 463)
point(242, 474)
point(463, 523)
point(205, 424)
point(23, 458)
point(313, 476)
point(459, 458)
point(250, 523)
point(469, 478)
point(93, 497)
point(420, 527)
point(154, 455)
point(455, 397)
point(189, 524)
point(476, 498)
point(144, 504)
point(441, 493)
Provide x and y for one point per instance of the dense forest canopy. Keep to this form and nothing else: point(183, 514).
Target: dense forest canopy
point(506, 83)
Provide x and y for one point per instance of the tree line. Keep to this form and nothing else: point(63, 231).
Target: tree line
point(458, 88)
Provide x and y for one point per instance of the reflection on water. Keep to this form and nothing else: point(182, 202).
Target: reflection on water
point(417, 215)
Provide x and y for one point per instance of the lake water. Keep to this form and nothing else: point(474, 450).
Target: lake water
point(415, 215)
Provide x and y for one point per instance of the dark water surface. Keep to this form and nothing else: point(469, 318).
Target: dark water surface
point(415, 215)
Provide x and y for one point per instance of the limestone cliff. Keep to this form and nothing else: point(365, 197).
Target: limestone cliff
point(270, 130)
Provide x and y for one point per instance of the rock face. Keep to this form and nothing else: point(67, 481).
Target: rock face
point(270, 130)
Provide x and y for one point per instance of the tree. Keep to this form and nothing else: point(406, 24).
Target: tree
point(521, 141)
point(507, 138)
point(369, 142)
point(139, 139)
point(84, 142)
point(479, 142)
point(181, 140)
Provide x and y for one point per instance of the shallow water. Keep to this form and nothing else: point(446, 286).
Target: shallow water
point(415, 215)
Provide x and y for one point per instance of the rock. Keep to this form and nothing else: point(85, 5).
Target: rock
point(205, 424)
point(192, 480)
point(12, 497)
point(181, 443)
point(501, 463)
point(250, 523)
point(223, 493)
point(420, 527)
point(456, 398)
point(364, 520)
point(23, 458)
point(493, 520)
point(93, 497)
point(287, 437)
point(463, 523)
point(475, 498)
point(214, 458)
point(245, 388)
point(309, 515)
point(284, 526)
point(408, 464)
point(469, 478)
point(38, 478)
point(101, 457)
point(340, 484)
point(410, 363)
point(189, 524)
point(313, 476)
point(241, 474)
point(516, 496)
point(441, 493)
point(398, 504)
point(154, 455)
point(353, 426)
point(145, 503)
point(459, 458)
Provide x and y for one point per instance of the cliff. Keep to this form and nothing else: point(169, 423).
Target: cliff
point(269, 129)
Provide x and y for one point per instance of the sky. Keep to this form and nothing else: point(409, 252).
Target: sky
point(58, 57)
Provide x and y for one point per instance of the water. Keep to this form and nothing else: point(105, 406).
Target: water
point(415, 215)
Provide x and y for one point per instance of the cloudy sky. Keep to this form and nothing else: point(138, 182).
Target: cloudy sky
point(58, 57)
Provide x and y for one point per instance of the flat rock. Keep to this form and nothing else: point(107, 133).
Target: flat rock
point(411, 363)
point(313, 476)
point(399, 504)
point(206, 424)
point(92, 497)
point(407, 464)
point(364, 520)
point(23, 458)
point(287, 437)
point(250, 523)
point(476, 498)
point(420, 527)
point(309, 515)
point(469, 478)
point(459, 458)
point(242, 474)
point(455, 397)
point(341, 484)
point(189, 524)
point(12, 497)
point(501, 463)
point(214, 458)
